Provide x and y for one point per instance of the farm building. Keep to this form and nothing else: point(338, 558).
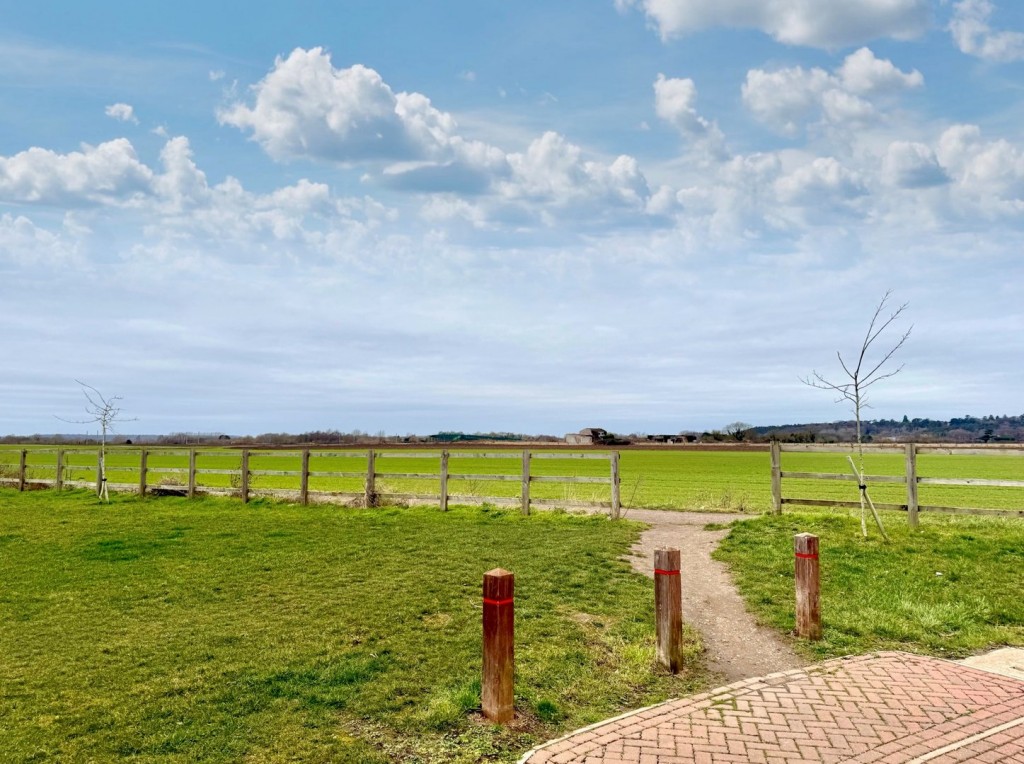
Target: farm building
point(589, 436)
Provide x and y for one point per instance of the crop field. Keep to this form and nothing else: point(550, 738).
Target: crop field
point(725, 480)
point(709, 480)
point(207, 630)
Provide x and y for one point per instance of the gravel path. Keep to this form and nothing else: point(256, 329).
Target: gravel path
point(737, 648)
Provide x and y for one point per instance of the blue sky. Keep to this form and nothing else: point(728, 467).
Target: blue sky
point(645, 215)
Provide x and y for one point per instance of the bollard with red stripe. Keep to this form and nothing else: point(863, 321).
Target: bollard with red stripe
point(668, 604)
point(808, 587)
point(497, 683)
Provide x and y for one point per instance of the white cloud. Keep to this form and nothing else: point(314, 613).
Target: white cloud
point(822, 24)
point(110, 172)
point(824, 178)
point(22, 242)
point(121, 112)
point(674, 102)
point(988, 176)
point(305, 108)
point(786, 99)
point(974, 36)
point(910, 164)
point(216, 75)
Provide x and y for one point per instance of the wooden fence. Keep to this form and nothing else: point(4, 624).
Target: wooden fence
point(910, 477)
point(187, 481)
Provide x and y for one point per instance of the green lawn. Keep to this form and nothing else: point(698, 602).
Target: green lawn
point(952, 588)
point(715, 480)
point(214, 631)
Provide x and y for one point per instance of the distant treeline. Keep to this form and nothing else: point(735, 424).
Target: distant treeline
point(966, 429)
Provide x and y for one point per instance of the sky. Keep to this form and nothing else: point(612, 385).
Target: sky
point(642, 215)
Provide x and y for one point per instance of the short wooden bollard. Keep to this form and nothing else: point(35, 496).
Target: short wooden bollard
point(496, 687)
point(808, 586)
point(668, 604)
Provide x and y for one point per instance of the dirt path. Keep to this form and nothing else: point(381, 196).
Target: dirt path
point(737, 648)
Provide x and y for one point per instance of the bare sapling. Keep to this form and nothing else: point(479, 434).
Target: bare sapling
point(869, 369)
point(106, 412)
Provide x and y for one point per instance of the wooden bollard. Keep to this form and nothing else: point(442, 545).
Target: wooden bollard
point(808, 586)
point(496, 687)
point(668, 604)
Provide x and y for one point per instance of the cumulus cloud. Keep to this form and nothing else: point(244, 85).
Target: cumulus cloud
point(825, 24)
point(910, 164)
point(974, 36)
point(305, 108)
point(823, 178)
point(121, 112)
point(787, 98)
point(987, 174)
point(674, 102)
point(110, 172)
point(24, 243)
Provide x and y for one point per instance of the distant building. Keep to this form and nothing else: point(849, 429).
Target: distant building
point(590, 436)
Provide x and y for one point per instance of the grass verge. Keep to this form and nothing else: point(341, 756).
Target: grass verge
point(950, 589)
point(214, 631)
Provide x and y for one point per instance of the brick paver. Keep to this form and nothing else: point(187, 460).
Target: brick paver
point(875, 709)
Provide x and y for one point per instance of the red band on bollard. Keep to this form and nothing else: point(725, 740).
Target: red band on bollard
point(506, 601)
point(661, 572)
point(803, 556)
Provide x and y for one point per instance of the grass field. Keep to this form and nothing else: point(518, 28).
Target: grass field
point(709, 480)
point(214, 631)
point(950, 589)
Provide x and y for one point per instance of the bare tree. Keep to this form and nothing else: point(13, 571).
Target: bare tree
point(106, 412)
point(859, 377)
point(737, 430)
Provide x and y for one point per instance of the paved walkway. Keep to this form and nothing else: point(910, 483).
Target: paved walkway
point(885, 708)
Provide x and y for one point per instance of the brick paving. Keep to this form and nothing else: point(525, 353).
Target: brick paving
point(885, 708)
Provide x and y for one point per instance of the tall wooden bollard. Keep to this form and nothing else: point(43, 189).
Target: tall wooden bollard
point(496, 687)
point(808, 586)
point(668, 608)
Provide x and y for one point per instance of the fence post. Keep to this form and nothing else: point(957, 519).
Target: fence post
point(616, 483)
point(22, 469)
point(526, 483)
point(371, 479)
point(304, 478)
point(444, 480)
point(808, 586)
point(668, 608)
point(191, 473)
point(143, 459)
point(776, 455)
point(245, 475)
point(912, 484)
point(59, 482)
point(498, 675)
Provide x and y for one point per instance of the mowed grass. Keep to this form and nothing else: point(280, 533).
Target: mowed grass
point(949, 589)
point(710, 480)
point(208, 630)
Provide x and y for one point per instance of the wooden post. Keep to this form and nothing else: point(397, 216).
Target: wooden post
point(99, 472)
point(143, 458)
point(59, 482)
point(245, 475)
point(371, 479)
point(808, 587)
point(191, 473)
point(525, 499)
point(616, 483)
point(497, 682)
point(22, 469)
point(776, 456)
point(444, 480)
point(304, 478)
point(668, 608)
point(912, 484)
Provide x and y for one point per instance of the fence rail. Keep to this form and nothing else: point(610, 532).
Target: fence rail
point(910, 478)
point(67, 474)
